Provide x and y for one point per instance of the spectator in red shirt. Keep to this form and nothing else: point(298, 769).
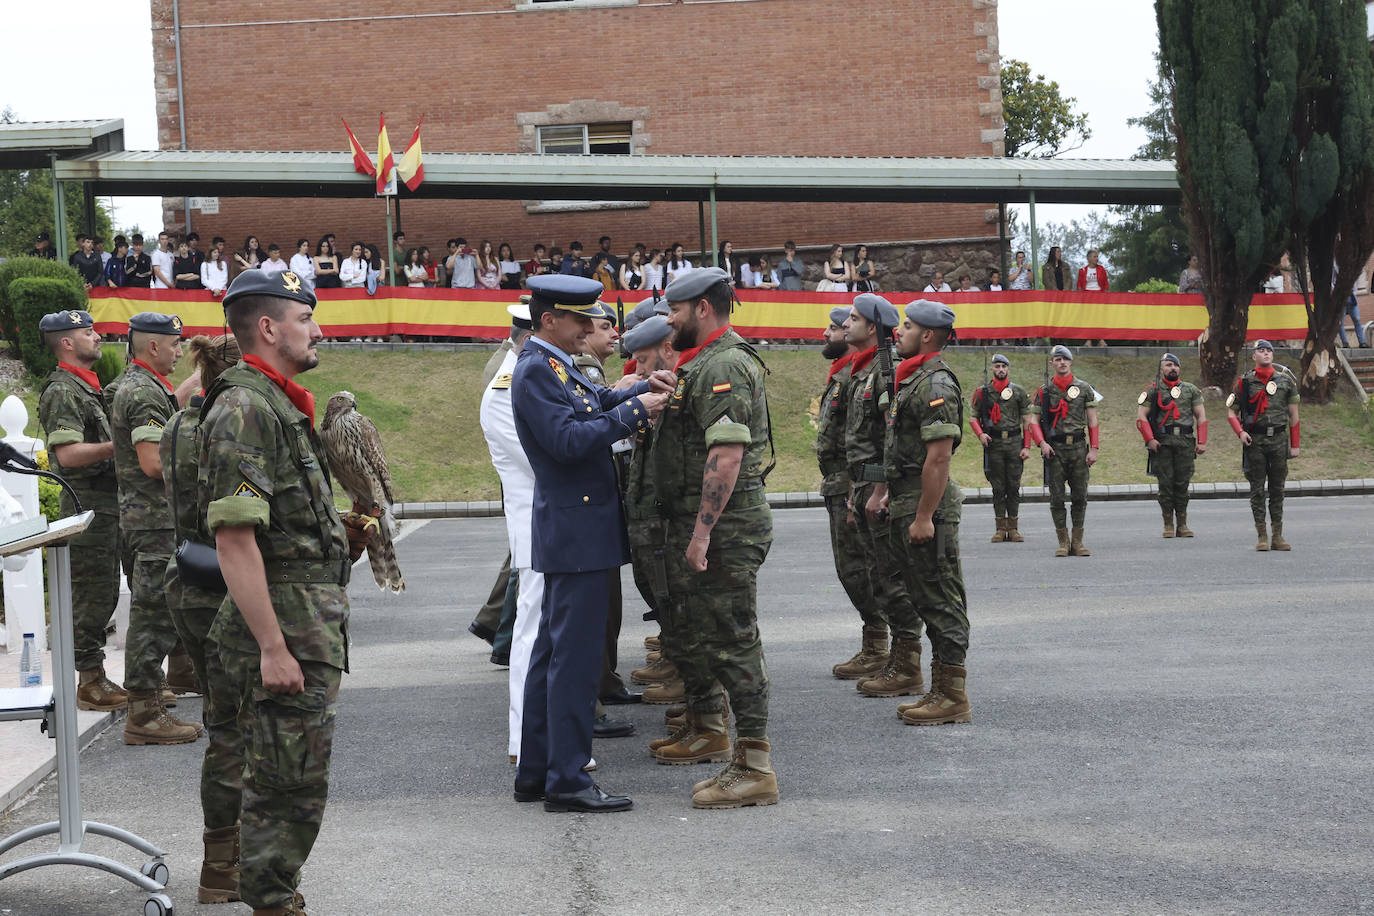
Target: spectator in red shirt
point(1092, 278)
point(535, 265)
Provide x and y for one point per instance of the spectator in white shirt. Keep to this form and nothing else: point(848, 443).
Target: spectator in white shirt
point(995, 282)
point(274, 264)
point(938, 285)
point(353, 271)
point(416, 275)
point(966, 285)
point(1021, 272)
point(653, 271)
point(302, 265)
point(214, 273)
point(678, 263)
point(761, 276)
point(162, 260)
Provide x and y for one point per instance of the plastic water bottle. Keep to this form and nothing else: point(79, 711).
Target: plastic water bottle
point(30, 664)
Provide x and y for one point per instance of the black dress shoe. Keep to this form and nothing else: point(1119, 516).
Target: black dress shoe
point(486, 634)
point(529, 791)
point(500, 661)
point(621, 697)
point(606, 727)
point(591, 800)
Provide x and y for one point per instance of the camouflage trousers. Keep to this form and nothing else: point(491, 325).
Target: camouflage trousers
point(1002, 467)
point(1174, 462)
point(710, 620)
point(933, 575)
point(95, 579)
point(883, 558)
point(287, 740)
point(221, 769)
point(1266, 467)
point(850, 563)
point(1069, 465)
point(152, 634)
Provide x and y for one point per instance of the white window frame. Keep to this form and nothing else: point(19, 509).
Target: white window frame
point(586, 139)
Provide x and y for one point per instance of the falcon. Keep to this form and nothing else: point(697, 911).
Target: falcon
point(357, 460)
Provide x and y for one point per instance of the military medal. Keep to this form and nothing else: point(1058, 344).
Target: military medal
point(578, 391)
point(1271, 388)
point(1073, 392)
point(1006, 393)
point(1175, 391)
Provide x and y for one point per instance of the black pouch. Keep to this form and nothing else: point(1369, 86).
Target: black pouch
point(198, 566)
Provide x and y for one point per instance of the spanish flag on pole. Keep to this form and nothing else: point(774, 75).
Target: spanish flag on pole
point(362, 162)
point(412, 167)
point(386, 163)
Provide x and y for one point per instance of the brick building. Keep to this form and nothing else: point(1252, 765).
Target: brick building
point(725, 77)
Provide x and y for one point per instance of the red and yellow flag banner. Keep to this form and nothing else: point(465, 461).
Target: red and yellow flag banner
point(768, 314)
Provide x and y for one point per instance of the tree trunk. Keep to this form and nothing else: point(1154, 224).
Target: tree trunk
point(1319, 372)
point(1224, 338)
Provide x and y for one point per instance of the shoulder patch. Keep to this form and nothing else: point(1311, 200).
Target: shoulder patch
point(721, 388)
point(1144, 396)
point(724, 421)
point(1231, 399)
point(501, 382)
point(558, 369)
point(247, 489)
point(156, 424)
point(937, 402)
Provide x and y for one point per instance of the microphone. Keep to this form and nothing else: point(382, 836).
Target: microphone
point(11, 455)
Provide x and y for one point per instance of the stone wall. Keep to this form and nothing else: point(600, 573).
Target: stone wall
point(902, 266)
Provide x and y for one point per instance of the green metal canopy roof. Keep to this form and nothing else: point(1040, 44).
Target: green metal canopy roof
point(31, 144)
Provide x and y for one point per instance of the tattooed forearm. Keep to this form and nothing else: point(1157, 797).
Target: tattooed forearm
point(717, 484)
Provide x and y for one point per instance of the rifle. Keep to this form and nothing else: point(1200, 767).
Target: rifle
point(1044, 405)
point(1150, 414)
point(987, 469)
point(620, 326)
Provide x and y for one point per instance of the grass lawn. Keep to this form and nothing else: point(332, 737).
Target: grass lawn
point(425, 404)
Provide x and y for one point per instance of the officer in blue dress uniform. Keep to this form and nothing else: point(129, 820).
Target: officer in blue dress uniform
point(566, 425)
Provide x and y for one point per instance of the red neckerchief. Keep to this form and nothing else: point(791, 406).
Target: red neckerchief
point(995, 412)
point(861, 359)
point(1261, 397)
point(631, 366)
point(1061, 410)
point(907, 367)
point(839, 364)
point(86, 375)
point(303, 400)
point(1170, 411)
point(157, 375)
point(686, 356)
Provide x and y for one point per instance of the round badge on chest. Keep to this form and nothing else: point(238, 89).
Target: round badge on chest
point(1271, 388)
point(1006, 394)
point(1175, 391)
point(1073, 392)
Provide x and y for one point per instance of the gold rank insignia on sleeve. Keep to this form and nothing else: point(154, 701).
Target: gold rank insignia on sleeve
point(501, 382)
point(247, 489)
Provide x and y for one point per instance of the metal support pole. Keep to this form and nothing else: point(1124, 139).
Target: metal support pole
point(391, 268)
point(63, 675)
point(399, 227)
point(1035, 245)
point(1002, 241)
point(88, 206)
point(59, 209)
point(715, 239)
point(701, 230)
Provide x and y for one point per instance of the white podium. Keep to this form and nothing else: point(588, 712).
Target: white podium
point(56, 706)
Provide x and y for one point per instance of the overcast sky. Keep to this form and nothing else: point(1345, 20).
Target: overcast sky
point(1100, 53)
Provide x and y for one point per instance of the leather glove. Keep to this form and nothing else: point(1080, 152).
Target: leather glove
point(360, 524)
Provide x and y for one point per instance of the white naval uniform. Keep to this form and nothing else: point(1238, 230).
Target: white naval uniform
point(517, 489)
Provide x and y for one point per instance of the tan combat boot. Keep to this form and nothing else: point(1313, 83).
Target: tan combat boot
point(1183, 530)
point(219, 872)
point(748, 780)
point(704, 739)
point(1168, 523)
point(653, 643)
point(1000, 534)
point(1012, 534)
point(949, 704)
point(1063, 549)
point(674, 716)
point(651, 657)
point(1276, 541)
point(871, 657)
point(674, 691)
point(96, 691)
point(149, 723)
point(936, 670)
point(659, 672)
point(674, 736)
point(181, 675)
point(901, 677)
point(1263, 543)
point(1078, 548)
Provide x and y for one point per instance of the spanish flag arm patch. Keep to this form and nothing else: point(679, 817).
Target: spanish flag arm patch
point(937, 402)
point(721, 388)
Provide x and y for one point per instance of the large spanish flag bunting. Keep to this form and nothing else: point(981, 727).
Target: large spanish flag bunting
point(767, 314)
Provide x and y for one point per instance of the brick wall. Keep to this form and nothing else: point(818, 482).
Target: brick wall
point(757, 77)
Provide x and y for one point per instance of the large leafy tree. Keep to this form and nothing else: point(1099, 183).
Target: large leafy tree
point(1040, 121)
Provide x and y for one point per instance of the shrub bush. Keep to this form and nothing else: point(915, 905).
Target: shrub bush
point(30, 299)
point(12, 269)
point(110, 364)
point(1156, 285)
point(49, 493)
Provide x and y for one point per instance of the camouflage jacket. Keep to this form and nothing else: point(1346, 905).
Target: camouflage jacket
point(869, 398)
point(1011, 403)
point(177, 449)
point(641, 498)
point(142, 407)
point(929, 407)
point(71, 411)
point(719, 399)
point(1064, 413)
point(260, 463)
point(830, 431)
point(1171, 406)
point(1263, 403)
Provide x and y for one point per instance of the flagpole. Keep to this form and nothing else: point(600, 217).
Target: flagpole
point(391, 259)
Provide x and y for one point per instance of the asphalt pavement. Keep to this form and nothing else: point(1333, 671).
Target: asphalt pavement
point(1168, 726)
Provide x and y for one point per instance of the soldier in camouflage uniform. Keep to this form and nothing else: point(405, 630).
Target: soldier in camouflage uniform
point(870, 393)
point(1001, 419)
point(80, 451)
point(708, 458)
point(1173, 422)
point(143, 405)
point(1067, 436)
point(267, 502)
point(846, 545)
point(194, 608)
point(923, 431)
point(1263, 411)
